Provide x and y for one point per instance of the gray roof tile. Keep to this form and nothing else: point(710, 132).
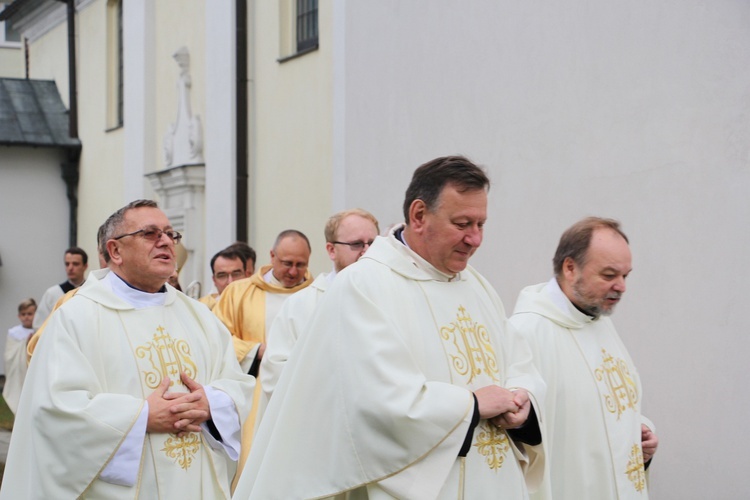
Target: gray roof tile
point(33, 114)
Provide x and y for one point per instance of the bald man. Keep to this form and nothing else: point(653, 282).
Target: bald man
point(249, 306)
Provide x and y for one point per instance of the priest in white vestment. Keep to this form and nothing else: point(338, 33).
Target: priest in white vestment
point(348, 234)
point(406, 383)
point(15, 354)
point(134, 390)
point(597, 440)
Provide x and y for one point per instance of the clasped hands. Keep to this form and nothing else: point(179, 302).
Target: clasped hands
point(177, 412)
point(503, 408)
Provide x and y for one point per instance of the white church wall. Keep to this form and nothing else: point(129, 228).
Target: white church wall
point(637, 111)
point(291, 134)
point(102, 169)
point(11, 62)
point(33, 228)
point(220, 132)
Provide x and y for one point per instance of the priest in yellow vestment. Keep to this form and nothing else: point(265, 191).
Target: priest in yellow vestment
point(407, 383)
point(134, 390)
point(249, 306)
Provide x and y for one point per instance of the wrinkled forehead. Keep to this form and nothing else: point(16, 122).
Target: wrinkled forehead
point(141, 217)
point(608, 250)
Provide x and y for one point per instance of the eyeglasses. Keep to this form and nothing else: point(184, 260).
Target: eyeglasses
point(354, 245)
point(153, 234)
point(225, 276)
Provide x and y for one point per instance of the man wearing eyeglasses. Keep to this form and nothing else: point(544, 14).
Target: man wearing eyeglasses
point(406, 383)
point(135, 391)
point(249, 306)
point(348, 235)
point(227, 266)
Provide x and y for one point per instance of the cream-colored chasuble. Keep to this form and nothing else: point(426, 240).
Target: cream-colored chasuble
point(46, 305)
point(592, 414)
point(292, 319)
point(376, 398)
point(86, 386)
point(247, 308)
point(15, 364)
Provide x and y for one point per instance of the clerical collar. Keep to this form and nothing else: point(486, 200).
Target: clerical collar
point(271, 280)
point(398, 233)
point(133, 296)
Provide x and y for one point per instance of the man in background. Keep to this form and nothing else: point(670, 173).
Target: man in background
point(227, 266)
point(76, 263)
point(249, 306)
point(348, 235)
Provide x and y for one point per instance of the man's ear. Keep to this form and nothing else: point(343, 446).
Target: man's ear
point(114, 252)
point(417, 213)
point(330, 247)
point(569, 268)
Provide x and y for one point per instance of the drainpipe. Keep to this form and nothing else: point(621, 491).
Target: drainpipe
point(242, 119)
point(70, 169)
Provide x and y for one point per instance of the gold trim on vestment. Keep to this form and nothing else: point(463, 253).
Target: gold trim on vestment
point(635, 471)
point(182, 449)
point(620, 392)
point(168, 358)
point(472, 352)
point(492, 443)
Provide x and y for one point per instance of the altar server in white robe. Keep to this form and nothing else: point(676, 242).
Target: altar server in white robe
point(134, 391)
point(348, 234)
point(597, 439)
point(403, 385)
point(15, 354)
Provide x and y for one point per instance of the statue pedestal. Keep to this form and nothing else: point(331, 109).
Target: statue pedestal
point(182, 196)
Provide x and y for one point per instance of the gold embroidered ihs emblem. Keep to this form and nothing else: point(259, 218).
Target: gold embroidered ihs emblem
point(471, 352)
point(493, 444)
point(620, 389)
point(167, 358)
point(182, 449)
point(635, 471)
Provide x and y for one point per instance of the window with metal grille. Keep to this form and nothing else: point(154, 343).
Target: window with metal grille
point(307, 24)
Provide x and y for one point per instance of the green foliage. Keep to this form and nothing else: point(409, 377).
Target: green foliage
point(6, 416)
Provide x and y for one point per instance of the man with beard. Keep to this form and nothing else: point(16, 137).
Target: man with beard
point(597, 440)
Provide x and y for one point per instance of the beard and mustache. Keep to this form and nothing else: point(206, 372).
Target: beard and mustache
point(588, 301)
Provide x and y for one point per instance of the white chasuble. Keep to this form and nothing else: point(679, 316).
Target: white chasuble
point(15, 364)
point(593, 406)
point(98, 361)
point(376, 399)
